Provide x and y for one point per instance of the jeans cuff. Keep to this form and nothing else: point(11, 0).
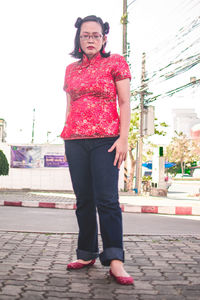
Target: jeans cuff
point(111, 253)
point(86, 255)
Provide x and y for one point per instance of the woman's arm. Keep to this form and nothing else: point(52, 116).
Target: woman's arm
point(123, 88)
point(121, 144)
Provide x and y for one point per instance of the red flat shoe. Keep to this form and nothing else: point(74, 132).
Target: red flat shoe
point(77, 265)
point(122, 280)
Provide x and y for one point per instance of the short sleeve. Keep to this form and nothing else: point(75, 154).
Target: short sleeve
point(68, 72)
point(120, 68)
point(66, 79)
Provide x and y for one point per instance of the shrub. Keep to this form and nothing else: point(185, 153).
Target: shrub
point(4, 166)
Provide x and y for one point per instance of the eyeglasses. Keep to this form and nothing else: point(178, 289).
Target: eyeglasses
point(95, 37)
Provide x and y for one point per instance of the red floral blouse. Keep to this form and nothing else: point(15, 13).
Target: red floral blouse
point(91, 85)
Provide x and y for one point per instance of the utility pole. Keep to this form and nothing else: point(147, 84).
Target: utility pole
point(140, 142)
point(124, 21)
point(48, 132)
point(33, 126)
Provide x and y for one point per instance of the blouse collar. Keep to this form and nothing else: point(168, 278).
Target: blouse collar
point(85, 62)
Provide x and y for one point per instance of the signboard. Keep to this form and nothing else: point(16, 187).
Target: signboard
point(55, 161)
point(25, 157)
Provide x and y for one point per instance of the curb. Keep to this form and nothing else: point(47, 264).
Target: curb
point(169, 210)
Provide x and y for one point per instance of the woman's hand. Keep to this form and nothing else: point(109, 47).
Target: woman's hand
point(121, 146)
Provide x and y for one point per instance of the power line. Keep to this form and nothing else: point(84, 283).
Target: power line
point(169, 93)
point(173, 42)
point(186, 65)
point(169, 45)
point(181, 54)
point(130, 3)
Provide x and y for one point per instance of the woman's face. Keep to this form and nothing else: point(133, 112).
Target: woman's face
point(91, 38)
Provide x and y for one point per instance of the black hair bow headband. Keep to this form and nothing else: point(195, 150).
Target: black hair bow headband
point(106, 26)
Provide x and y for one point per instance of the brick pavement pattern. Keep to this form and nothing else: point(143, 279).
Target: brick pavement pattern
point(29, 196)
point(33, 267)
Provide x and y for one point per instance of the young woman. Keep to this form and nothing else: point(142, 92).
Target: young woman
point(96, 144)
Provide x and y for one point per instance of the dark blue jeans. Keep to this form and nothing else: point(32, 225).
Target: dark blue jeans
point(95, 183)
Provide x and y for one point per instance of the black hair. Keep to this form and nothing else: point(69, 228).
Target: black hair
point(105, 30)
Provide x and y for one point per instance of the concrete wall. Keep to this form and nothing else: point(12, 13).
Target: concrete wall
point(40, 178)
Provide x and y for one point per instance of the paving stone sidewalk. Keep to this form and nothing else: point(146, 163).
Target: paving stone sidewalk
point(36, 196)
point(33, 266)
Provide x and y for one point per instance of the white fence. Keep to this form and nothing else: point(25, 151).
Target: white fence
point(40, 178)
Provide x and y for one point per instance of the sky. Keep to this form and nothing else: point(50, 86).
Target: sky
point(37, 37)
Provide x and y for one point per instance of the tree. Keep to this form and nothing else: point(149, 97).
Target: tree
point(4, 166)
point(133, 138)
point(179, 150)
point(195, 149)
point(132, 141)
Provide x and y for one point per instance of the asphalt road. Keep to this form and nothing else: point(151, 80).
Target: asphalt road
point(60, 220)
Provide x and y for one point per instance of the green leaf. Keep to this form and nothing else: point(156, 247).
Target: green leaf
point(4, 166)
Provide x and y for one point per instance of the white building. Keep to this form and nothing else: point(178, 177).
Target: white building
point(184, 120)
point(2, 131)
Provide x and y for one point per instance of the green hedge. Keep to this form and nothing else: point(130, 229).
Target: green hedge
point(4, 166)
